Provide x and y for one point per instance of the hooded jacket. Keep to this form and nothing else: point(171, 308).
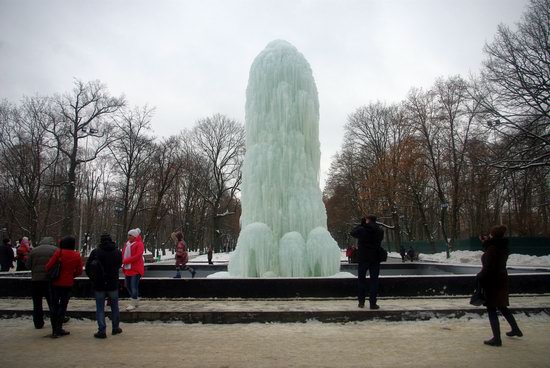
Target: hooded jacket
point(39, 256)
point(110, 259)
point(369, 239)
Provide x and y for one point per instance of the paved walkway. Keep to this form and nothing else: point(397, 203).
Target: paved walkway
point(455, 342)
point(284, 310)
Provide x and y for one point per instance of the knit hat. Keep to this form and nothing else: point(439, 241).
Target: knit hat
point(25, 240)
point(105, 238)
point(134, 232)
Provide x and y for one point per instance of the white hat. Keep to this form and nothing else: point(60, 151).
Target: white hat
point(134, 232)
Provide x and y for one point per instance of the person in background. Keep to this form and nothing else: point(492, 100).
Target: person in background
point(102, 267)
point(71, 267)
point(493, 278)
point(40, 284)
point(402, 253)
point(6, 255)
point(182, 257)
point(23, 251)
point(349, 253)
point(209, 255)
point(369, 238)
point(411, 254)
point(133, 266)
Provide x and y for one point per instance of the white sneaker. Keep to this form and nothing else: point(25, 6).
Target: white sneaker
point(133, 305)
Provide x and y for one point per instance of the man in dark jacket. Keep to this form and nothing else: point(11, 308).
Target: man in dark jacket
point(103, 268)
point(6, 256)
point(40, 284)
point(369, 239)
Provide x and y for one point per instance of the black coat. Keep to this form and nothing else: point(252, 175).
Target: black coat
point(493, 275)
point(6, 255)
point(110, 258)
point(369, 240)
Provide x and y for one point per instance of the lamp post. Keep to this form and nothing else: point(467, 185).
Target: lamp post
point(444, 207)
point(118, 211)
point(92, 131)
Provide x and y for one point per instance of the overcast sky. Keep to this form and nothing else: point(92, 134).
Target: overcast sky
point(190, 59)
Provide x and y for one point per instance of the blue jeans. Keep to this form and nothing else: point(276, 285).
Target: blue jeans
point(374, 272)
point(100, 309)
point(132, 285)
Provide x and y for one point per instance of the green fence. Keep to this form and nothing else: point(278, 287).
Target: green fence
point(534, 246)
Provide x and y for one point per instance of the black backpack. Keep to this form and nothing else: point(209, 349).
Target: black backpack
point(95, 271)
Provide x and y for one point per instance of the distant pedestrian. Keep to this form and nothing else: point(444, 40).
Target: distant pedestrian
point(182, 257)
point(71, 267)
point(40, 284)
point(493, 278)
point(6, 255)
point(369, 239)
point(402, 253)
point(102, 267)
point(23, 251)
point(349, 253)
point(133, 266)
point(209, 255)
point(411, 254)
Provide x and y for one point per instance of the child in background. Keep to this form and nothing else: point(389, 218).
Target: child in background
point(182, 257)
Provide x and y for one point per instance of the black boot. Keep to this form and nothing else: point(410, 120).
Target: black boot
point(495, 327)
point(493, 342)
point(513, 324)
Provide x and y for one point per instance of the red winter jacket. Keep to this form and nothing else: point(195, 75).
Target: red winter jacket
point(182, 257)
point(135, 260)
point(71, 266)
point(23, 252)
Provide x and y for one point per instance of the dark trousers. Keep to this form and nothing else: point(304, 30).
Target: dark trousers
point(39, 291)
point(59, 301)
point(493, 320)
point(374, 271)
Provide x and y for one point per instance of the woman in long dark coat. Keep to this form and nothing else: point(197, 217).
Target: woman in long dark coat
point(493, 277)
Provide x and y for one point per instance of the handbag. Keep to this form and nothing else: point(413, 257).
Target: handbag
point(382, 254)
point(478, 297)
point(55, 271)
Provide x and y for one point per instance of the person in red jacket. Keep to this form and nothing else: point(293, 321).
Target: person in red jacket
point(182, 257)
point(23, 251)
point(133, 265)
point(71, 267)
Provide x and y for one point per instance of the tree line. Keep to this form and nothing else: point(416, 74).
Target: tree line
point(84, 162)
point(449, 161)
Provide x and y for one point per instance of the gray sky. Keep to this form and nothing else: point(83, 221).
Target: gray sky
point(190, 59)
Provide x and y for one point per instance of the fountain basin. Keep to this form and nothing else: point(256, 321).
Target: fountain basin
point(428, 280)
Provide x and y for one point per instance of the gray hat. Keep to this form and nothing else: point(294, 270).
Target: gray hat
point(47, 240)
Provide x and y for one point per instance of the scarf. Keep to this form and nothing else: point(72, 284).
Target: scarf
point(127, 254)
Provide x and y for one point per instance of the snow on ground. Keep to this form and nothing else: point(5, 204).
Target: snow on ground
point(474, 257)
point(457, 257)
point(427, 344)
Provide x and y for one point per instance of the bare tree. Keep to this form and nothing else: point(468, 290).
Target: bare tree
point(378, 131)
point(220, 141)
point(86, 111)
point(165, 167)
point(25, 158)
point(514, 90)
point(132, 150)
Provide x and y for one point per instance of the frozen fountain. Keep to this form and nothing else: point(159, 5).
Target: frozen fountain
point(283, 221)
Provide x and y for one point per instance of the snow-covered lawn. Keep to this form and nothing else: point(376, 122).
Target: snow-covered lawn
point(457, 257)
